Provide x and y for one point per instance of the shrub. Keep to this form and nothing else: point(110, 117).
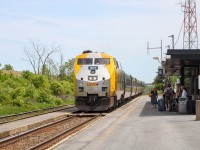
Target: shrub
point(67, 86)
point(43, 97)
point(18, 92)
point(27, 75)
point(10, 83)
point(56, 88)
point(56, 100)
point(40, 81)
point(5, 98)
point(4, 77)
point(18, 102)
point(30, 91)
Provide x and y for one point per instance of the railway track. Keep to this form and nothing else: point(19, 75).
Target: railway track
point(14, 117)
point(55, 131)
point(48, 135)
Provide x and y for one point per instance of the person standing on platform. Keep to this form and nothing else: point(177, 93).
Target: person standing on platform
point(184, 92)
point(168, 97)
point(154, 97)
point(178, 92)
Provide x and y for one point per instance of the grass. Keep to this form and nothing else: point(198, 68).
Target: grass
point(8, 110)
point(15, 73)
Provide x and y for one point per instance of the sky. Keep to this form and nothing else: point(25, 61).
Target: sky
point(120, 28)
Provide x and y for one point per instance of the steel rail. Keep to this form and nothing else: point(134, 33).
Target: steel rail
point(14, 117)
point(64, 134)
point(11, 140)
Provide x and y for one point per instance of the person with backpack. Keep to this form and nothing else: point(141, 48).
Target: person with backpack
point(168, 97)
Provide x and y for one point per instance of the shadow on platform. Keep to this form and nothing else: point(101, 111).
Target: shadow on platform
point(149, 111)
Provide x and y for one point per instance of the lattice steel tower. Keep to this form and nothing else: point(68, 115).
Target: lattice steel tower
point(190, 36)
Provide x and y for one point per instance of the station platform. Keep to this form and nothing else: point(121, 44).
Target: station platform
point(15, 127)
point(138, 125)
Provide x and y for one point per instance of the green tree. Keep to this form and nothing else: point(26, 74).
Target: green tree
point(45, 70)
point(158, 79)
point(7, 67)
point(70, 69)
point(158, 82)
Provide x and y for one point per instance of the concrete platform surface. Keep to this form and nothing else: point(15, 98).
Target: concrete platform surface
point(138, 126)
point(23, 125)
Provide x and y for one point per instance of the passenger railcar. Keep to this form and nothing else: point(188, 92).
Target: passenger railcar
point(100, 84)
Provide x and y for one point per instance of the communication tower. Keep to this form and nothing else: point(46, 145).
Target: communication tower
point(190, 36)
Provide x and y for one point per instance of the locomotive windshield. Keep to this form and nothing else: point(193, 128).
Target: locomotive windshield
point(102, 61)
point(84, 61)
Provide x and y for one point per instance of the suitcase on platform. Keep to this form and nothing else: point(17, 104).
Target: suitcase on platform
point(176, 108)
point(161, 106)
point(194, 106)
point(191, 107)
point(182, 105)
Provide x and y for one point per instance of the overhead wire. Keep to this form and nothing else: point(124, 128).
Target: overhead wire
point(179, 34)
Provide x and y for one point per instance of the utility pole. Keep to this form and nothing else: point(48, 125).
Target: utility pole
point(148, 48)
point(172, 36)
point(190, 36)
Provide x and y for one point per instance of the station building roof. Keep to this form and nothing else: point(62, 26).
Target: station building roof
point(180, 58)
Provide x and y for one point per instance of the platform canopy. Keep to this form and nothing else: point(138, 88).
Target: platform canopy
point(180, 58)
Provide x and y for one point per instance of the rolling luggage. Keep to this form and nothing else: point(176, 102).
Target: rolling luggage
point(194, 106)
point(182, 105)
point(173, 106)
point(191, 106)
point(161, 106)
point(176, 107)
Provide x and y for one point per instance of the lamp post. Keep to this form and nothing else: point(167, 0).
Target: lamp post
point(156, 58)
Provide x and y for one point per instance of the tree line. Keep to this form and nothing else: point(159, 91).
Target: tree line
point(50, 82)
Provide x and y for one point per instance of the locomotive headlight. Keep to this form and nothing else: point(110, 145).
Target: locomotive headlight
point(92, 71)
point(95, 78)
point(92, 78)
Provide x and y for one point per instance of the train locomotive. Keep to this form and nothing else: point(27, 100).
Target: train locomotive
point(100, 84)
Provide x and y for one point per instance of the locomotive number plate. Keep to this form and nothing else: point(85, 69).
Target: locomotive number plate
point(92, 84)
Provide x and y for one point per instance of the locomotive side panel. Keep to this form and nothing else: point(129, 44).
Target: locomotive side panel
point(128, 85)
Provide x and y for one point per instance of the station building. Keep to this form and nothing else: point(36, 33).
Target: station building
point(185, 64)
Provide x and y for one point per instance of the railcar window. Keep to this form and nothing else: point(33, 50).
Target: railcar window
point(102, 61)
point(84, 61)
